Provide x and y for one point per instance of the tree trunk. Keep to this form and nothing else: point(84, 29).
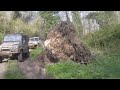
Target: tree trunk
point(67, 17)
point(77, 23)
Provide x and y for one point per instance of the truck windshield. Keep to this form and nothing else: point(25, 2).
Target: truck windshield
point(11, 38)
point(34, 39)
point(31, 39)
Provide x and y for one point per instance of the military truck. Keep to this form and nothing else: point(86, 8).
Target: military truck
point(14, 46)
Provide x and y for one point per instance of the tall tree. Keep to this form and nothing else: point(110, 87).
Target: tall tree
point(77, 22)
point(50, 19)
point(16, 14)
point(67, 16)
point(103, 18)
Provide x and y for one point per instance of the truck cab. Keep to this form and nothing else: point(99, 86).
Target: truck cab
point(14, 45)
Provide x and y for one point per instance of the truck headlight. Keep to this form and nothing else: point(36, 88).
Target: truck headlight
point(35, 43)
point(14, 48)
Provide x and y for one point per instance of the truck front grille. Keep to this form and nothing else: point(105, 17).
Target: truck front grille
point(5, 49)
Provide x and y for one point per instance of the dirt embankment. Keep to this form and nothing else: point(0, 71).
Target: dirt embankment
point(62, 43)
point(33, 69)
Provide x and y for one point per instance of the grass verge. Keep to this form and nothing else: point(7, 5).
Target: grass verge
point(13, 71)
point(36, 52)
point(103, 67)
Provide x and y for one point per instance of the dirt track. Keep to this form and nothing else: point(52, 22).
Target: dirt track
point(32, 70)
point(3, 69)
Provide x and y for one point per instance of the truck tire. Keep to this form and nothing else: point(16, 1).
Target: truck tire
point(1, 59)
point(27, 54)
point(35, 46)
point(20, 56)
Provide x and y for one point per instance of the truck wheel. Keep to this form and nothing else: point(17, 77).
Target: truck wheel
point(20, 56)
point(1, 59)
point(27, 54)
point(35, 46)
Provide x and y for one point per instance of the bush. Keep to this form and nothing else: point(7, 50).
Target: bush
point(1, 37)
point(103, 67)
point(17, 25)
point(104, 37)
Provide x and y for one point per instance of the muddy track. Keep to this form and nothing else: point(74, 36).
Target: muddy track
point(3, 69)
point(32, 69)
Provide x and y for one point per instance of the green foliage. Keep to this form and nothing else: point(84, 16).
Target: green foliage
point(4, 22)
point(39, 25)
point(50, 20)
point(13, 71)
point(108, 37)
point(103, 67)
point(36, 52)
point(1, 37)
point(105, 37)
point(77, 23)
point(4, 25)
point(103, 18)
point(99, 17)
point(16, 14)
point(17, 25)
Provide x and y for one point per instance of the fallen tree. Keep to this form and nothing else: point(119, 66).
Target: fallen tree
point(62, 43)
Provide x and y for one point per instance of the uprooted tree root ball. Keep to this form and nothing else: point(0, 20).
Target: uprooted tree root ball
point(62, 43)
